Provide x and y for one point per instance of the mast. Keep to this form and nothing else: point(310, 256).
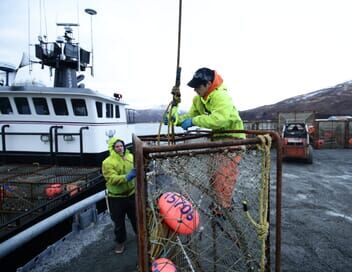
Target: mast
point(65, 56)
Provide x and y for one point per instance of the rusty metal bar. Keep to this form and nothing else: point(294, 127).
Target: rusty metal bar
point(141, 195)
point(192, 146)
point(278, 142)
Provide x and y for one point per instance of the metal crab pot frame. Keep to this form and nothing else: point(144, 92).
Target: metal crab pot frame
point(163, 146)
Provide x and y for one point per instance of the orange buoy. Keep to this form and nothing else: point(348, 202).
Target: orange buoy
point(178, 213)
point(225, 178)
point(163, 265)
point(319, 143)
point(72, 189)
point(311, 130)
point(350, 141)
point(53, 190)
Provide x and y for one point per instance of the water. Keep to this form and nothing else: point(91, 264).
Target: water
point(153, 129)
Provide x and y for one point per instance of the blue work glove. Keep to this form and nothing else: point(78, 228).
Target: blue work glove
point(166, 119)
point(131, 175)
point(187, 123)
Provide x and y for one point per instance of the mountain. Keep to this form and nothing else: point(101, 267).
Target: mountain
point(327, 102)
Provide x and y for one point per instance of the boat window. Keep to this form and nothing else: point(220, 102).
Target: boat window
point(5, 106)
point(117, 111)
point(22, 105)
point(40, 105)
point(109, 110)
point(79, 107)
point(99, 107)
point(59, 105)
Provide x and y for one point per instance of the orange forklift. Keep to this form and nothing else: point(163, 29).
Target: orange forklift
point(297, 129)
point(296, 142)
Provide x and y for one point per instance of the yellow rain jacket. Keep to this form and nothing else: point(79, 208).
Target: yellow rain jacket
point(115, 168)
point(216, 111)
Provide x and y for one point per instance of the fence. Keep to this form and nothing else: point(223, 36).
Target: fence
point(333, 133)
point(326, 133)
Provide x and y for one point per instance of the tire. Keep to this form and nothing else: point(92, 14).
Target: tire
point(310, 155)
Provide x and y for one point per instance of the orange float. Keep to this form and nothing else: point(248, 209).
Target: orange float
point(319, 143)
point(53, 190)
point(72, 189)
point(163, 265)
point(311, 130)
point(178, 213)
point(350, 141)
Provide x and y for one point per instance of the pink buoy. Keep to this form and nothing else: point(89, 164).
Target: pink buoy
point(53, 190)
point(178, 213)
point(163, 265)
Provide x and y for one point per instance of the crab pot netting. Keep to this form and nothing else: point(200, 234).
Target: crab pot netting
point(229, 188)
point(23, 187)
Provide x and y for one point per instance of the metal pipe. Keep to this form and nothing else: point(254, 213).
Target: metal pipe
point(81, 144)
point(3, 134)
point(16, 241)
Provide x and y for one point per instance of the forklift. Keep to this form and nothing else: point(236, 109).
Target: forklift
point(296, 142)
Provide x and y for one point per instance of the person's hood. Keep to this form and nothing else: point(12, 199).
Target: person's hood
point(216, 83)
point(111, 143)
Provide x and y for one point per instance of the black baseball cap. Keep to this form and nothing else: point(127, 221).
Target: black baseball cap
point(201, 76)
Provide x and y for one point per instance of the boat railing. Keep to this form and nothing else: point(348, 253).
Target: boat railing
point(52, 137)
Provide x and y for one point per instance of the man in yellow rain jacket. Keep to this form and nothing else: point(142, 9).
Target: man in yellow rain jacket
point(120, 176)
point(212, 107)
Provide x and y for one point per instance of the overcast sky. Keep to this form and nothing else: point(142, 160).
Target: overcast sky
point(266, 51)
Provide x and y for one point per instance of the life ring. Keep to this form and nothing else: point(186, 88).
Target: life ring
point(178, 213)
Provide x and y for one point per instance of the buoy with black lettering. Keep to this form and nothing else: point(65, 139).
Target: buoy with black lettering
point(163, 265)
point(178, 213)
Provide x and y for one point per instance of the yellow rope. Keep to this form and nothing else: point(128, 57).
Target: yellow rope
point(172, 115)
point(262, 227)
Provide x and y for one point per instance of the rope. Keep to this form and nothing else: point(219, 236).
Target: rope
point(262, 227)
point(171, 109)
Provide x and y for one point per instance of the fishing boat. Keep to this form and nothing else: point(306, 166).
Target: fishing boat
point(53, 140)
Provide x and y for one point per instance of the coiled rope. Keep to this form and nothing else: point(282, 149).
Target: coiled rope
point(262, 227)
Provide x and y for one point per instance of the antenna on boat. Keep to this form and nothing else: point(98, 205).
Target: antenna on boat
point(91, 12)
point(64, 55)
point(29, 36)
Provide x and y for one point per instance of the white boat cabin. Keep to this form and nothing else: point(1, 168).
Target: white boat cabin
point(59, 124)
